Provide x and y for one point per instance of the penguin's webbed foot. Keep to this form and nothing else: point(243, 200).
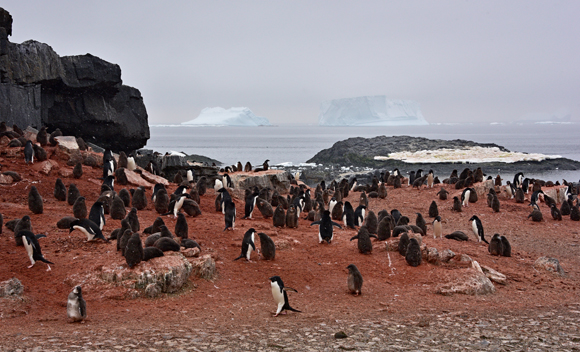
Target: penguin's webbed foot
point(49, 269)
point(30, 266)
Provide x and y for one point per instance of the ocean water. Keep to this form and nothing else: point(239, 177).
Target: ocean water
point(298, 143)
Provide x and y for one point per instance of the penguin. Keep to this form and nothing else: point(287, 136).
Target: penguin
point(509, 190)
point(22, 224)
point(163, 232)
point(180, 190)
point(117, 210)
point(155, 227)
point(384, 229)
point(331, 204)
point(76, 307)
point(124, 239)
point(292, 217)
point(42, 136)
point(122, 163)
point(325, 224)
point(108, 169)
point(507, 248)
point(348, 215)
point(28, 152)
point(227, 181)
point(110, 182)
point(536, 214)
point(116, 234)
point(442, 194)
point(35, 203)
point(134, 250)
point(495, 245)
point(354, 280)
point(565, 208)
point(365, 246)
point(89, 228)
point(371, 222)
point(535, 196)
point(419, 181)
point(151, 252)
point(359, 215)
point(189, 243)
point(518, 179)
point(139, 200)
point(526, 185)
point(80, 208)
point(250, 204)
point(437, 227)
point(433, 210)
point(161, 201)
point(495, 203)
point(519, 195)
point(465, 196)
point(131, 165)
point(413, 255)
point(230, 214)
point(224, 196)
point(458, 236)
point(430, 179)
point(167, 244)
point(177, 178)
point(194, 195)
point(125, 197)
point(267, 247)
point(477, 228)
point(218, 184)
point(352, 184)
point(239, 167)
point(181, 228)
point(412, 178)
point(364, 200)
point(30, 241)
point(279, 218)
point(201, 186)
point(97, 214)
point(59, 190)
point(457, 205)
point(574, 213)
point(265, 208)
point(248, 167)
point(403, 244)
point(134, 220)
point(157, 188)
point(248, 244)
point(382, 191)
point(280, 296)
point(556, 214)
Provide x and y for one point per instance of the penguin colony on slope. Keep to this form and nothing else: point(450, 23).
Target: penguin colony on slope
point(326, 207)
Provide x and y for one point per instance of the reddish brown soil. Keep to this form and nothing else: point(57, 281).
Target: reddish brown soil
point(242, 295)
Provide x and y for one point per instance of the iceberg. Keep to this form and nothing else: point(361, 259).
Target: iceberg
point(217, 116)
point(370, 111)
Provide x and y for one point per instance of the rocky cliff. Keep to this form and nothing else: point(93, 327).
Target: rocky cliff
point(82, 95)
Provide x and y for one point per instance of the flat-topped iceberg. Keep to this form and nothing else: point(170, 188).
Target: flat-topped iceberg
point(217, 116)
point(370, 111)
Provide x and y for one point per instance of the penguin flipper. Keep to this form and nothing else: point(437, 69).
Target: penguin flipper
point(315, 223)
point(40, 236)
point(241, 256)
point(371, 235)
point(253, 245)
point(44, 260)
point(287, 307)
point(289, 289)
point(355, 237)
point(336, 225)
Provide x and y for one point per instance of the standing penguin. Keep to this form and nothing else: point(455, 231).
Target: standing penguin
point(28, 152)
point(421, 223)
point(76, 307)
point(384, 229)
point(433, 210)
point(73, 194)
point(30, 241)
point(248, 244)
point(139, 200)
point(181, 228)
point(35, 203)
point(437, 227)
point(267, 247)
point(403, 243)
point(78, 170)
point(161, 201)
point(519, 195)
point(556, 214)
point(265, 208)
point(230, 214)
point(80, 208)
point(477, 228)
point(465, 196)
point(59, 190)
point(348, 215)
point(42, 136)
point(354, 280)
point(413, 255)
point(280, 296)
point(365, 246)
point(371, 222)
point(495, 203)
point(134, 220)
point(325, 224)
point(507, 248)
point(495, 245)
point(574, 213)
point(292, 217)
point(359, 215)
point(117, 210)
point(250, 204)
point(134, 250)
point(97, 214)
point(430, 179)
point(279, 218)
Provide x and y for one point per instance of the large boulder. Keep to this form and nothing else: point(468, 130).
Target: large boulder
point(471, 281)
point(82, 95)
point(274, 179)
point(11, 288)
point(549, 264)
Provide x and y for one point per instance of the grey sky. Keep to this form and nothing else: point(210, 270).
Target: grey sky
point(461, 60)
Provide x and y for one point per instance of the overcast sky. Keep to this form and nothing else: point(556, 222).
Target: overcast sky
point(461, 60)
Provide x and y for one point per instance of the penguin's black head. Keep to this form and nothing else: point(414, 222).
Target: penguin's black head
point(277, 280)
point(438, 218)
point(77, 291)
point(474, 217)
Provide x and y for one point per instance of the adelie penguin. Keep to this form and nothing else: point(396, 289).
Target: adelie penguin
point(28, 152)
point(59, 190)
point(181, 228)
point(442, 194)
point(354, 280)
point(134, 250)
point(292, 217)
point(348, 215)
point(359, 215)
point(433, 210)
point(465, 196)
point(413, 255)
point(89, 228)
point(477, 228)
point(280, 295)
point(250, 204)
point(495, 245)
point(134, 220)
point(30, 241)
point(325, 224)
point(76, 307)
point(437, 227)
point(80, 208)
point(458, 236)
point(536, 214)
point(279, 218)
point(35, 203)
point(139, 200)
point(248, 244)
point(230, 214)
point(267, 247)
point(365, 246)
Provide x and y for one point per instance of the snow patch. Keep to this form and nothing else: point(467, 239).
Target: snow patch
point(370, 111)
point(217, 116)
point(466, 155)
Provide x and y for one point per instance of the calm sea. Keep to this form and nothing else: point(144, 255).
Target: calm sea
point(298, 143)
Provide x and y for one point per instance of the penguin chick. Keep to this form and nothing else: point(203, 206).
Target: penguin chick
point(76, 307)
point(354, 280)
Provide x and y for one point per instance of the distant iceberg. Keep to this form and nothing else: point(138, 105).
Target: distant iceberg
point(217, 116)
point(370, 111)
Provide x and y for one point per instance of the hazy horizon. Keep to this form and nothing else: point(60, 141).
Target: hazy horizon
point(462, 61)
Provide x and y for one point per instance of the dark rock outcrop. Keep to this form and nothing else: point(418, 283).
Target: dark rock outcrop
point(82, 95)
